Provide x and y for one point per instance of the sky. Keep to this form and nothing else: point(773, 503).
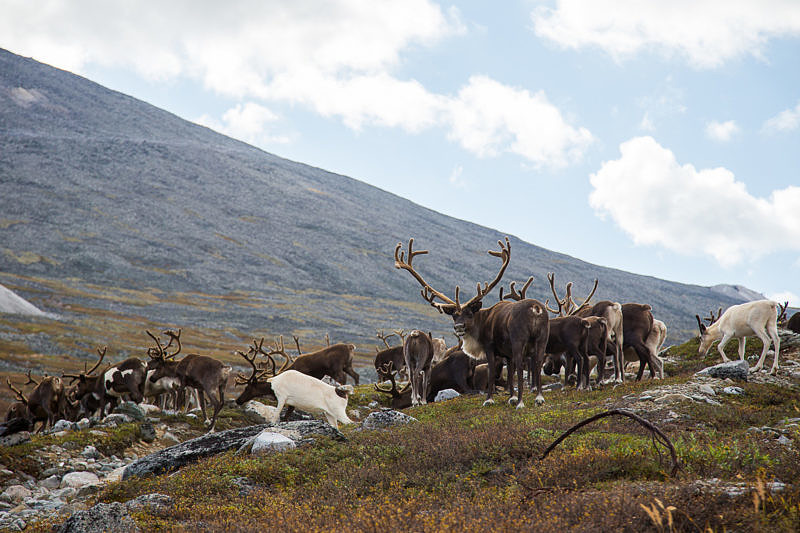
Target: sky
point(656, 137)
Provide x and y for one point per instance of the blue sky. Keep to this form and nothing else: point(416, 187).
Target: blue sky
point(661, 138)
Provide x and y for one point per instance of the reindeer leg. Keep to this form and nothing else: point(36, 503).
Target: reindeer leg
point(512, 398)
point(721, 346)
point(491, 376)
point(277, 416)
point(352, 373)
point(520, 380)
point(742, 346)
point(538, 360)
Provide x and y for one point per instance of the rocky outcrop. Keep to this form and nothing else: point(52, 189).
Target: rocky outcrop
point(738, 370)
point(386, 418)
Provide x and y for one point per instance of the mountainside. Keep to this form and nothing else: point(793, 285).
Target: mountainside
point(110, 204)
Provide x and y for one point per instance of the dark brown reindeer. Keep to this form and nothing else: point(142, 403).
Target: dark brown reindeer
point(400, 398)
point(335, 361)
point(206, 375)
point(637, 323)
point(568, 334)
point(391, 354)
point(418, 355)
point(44, 403)
point(513, 331)
point(256, 385)
point(793, 324)
point(84, 387)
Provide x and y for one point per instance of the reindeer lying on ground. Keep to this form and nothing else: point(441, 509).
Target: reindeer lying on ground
point(757, 318)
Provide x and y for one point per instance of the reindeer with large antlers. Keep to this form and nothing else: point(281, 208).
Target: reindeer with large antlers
point(204, 374)
point(513, 331)
point(44, 403)
point(85, 391)
point(335, 361)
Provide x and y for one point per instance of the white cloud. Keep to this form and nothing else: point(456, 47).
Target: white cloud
point(658, 201)
point(456, 179)
point(247, 122)
point(785, 296)
point(488, 117)
point(706, 32)
point(786, 120)
point(721, 131)
point(338, 59)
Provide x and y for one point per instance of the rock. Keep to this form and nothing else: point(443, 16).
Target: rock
point(90, 452)
point(386, 418)
point(76, 480)
point(672, 397)
point(152, 503)
point(783, 440)
point(373, 404)
point(132, 410)
point(83, 423)
point(553, 386)
point(646, 397)
point(103, 517)
point(115, 475)
point(268, 441)
point(446, 394)
point(148, 431)
point(117, 419)
point(62, 425)
point(170, 438)
point(149, 409)
point(737, 370)
point(244, 484)
point(214, 443)
point(52, 482)
point(707, 389)
point(16, 438)
point(15, 494)
point(735, 391)
point(264, 413)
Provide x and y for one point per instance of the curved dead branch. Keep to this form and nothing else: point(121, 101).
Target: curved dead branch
point(658, 436)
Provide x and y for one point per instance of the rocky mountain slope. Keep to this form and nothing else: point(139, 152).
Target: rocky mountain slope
point(111, 207)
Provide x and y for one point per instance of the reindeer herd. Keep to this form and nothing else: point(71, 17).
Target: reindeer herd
point(516, 334)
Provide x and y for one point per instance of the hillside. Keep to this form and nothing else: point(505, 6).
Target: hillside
point(116, 216)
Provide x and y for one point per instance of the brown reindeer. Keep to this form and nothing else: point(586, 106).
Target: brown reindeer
point(637, 324)
point(335, 361)
point(391, 354)
point(84, 389)
point(44, 403)
point(400, 398)
point(418, 354)
point(513, 331)
point(204, 374)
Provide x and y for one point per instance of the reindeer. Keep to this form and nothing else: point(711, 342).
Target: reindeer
point(44, 403)
point(335, 361)
point(757, 318)
point(391, 354)
point(513, 331)
point(204, 374)
point(400, 398)
point(637, 323)
point(418, 354)
point(87, 391)
point(293, 389)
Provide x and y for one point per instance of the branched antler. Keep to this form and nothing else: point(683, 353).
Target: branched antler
point(250, 357)
point(102, 353)
point(566, 305)
point(711, 318)
point(513, 294)
point(782, 312)
point(384, 337)
point(18, 393)
point(30, 379)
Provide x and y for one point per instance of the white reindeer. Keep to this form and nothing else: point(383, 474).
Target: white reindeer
point(757, 318)
point(310, 394)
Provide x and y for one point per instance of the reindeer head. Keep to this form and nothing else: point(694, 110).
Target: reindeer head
point(257, 383)
point(707, 334)
point(462, 314)
point(159, 356)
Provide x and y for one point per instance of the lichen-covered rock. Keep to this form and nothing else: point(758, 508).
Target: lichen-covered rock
point(268, 441)
point(152, 503)
point(132, 410)
point(386, 418)
point(737, 370)
point(77, 480)
point(15, 494)
point(103, 517)
point(262, 412)
point(446, 394)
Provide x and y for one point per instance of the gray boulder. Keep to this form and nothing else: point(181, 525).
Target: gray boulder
point(446, 394)
point(103, 517)
point(132, 410)
point(737, 370)
point(386, 418)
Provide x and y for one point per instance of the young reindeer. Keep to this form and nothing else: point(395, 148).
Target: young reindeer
point(757, 318)
point(513, 331)
point(418, 355)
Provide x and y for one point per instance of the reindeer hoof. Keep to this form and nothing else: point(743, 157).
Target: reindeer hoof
point(755, 369)
point(488, 402)
point(539, 400)
point(513, 400)
point(520, 405)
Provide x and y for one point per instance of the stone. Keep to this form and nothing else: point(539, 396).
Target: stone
point(737, 370)
point(734, 391)
point(117, 419)
point(62, 425)
point(152, 503)
point(386, 418)
point(15, 494)
point(373, 404)
point(52, 482)
point(76, 480)
point(707, 389)
point(211, 444)
point(268, 441)
point(672, 397)
point(783, 440)
point(149, 409)
point(132, 410)
point(16, 438)
point(115, 475)
point(263, 413)
point(148, 431)
point(103, 517)
point(90, 452)
point(446, 394)
point(83, 423)
point(170, 439)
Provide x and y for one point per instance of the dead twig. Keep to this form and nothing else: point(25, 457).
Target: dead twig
point(658, 436)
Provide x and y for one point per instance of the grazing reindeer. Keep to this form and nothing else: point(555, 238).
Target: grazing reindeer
point(293, 389)
point(757, 318)
point(335, 361)
point(612, 313)
point(513, 331)
point(637, 323)
point(44, 403)
point(654, 341)
point(204, 374)
point(418, 354)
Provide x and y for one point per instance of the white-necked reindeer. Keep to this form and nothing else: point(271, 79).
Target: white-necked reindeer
point(757, 318)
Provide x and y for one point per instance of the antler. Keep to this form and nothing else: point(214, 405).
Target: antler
point(700, 324)
point(400, 333)
point(30, 379)
point(257, 373)
point(281, 350)
point(327, 340)
point(388, 369)
point(172, 337)
point(297, 343)
point(566, 305)
point(513, 294)
point(383, 337)
point(782, 311)
point(21, 397)
point(711, 318)
point(505, 256)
